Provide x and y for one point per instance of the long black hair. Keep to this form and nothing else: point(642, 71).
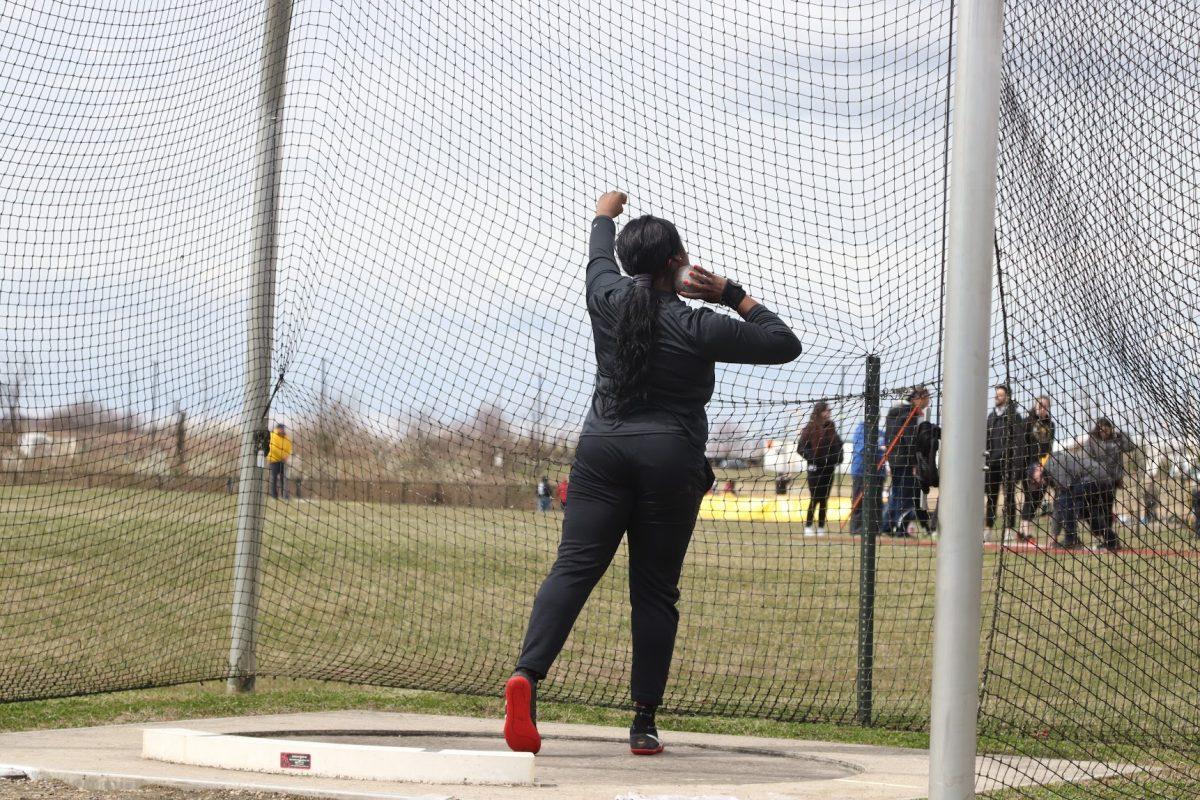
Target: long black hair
point(816, 422)
point(646, 248)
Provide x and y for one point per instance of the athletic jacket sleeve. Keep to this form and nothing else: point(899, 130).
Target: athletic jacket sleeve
point(763, 338)
point(602, 271)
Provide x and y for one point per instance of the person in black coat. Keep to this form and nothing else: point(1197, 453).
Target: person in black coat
point(1039, 443)
point(639, 472)
point(1005, 459)
point(900, 435)
point(822, 449)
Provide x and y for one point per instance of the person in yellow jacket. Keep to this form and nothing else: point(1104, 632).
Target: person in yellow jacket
point(277, 456)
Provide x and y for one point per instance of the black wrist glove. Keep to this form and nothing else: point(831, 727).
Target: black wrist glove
point(733, 295)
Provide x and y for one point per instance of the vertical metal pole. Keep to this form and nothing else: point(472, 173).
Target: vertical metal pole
point(538, 424)
point(955, 696)
point(260, 326)
point(870, 510)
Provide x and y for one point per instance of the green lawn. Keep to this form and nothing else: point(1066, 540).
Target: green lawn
point(1179, 786)
point(124, 589)
point(278, 696)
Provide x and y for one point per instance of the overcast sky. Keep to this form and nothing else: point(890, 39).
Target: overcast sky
point(441, 164)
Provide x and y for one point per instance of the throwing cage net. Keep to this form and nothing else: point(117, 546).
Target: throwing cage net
point(1091, 651)
point(432, 359)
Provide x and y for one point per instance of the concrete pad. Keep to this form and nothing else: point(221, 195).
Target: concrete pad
point(568, 760)
point(429, 762)
point(577, 762)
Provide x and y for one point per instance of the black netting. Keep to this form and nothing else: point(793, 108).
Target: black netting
point(439, 167)
point(440, 163)
point(1092, 658)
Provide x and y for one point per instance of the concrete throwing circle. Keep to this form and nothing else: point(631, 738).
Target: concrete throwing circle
point(567, 760)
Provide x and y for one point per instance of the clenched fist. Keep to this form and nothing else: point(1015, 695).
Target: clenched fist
point(611, 204)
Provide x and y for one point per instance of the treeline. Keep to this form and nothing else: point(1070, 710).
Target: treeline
point(331, 442)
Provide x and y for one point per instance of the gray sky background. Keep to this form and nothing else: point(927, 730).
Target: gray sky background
point(441, 163)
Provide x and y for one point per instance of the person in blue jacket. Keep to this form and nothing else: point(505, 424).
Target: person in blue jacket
point(862, 460)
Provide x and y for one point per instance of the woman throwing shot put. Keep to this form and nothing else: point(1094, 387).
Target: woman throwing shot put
point(639, 467)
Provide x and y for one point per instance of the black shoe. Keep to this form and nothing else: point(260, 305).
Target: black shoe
point(643, 733)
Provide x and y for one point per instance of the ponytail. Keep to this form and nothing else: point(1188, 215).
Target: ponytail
point(637, 330)
point(645, 248)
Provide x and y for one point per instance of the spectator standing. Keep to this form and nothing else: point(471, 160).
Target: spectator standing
point(1157, 476)
point(862, 460)
point(821, 447)
point(900, 430)
point(545, 494)
point(1006, 447)
point(1039, 443)
point(1196, 508)
point(277, 456)
point(562, 494)
point(1151, 500)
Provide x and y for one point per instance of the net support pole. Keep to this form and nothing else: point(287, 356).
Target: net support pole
point(871, 523)
point(972, 209)
point(260, 319)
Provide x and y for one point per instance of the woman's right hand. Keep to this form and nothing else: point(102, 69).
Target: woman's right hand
point(611, 204)
point(703, 285)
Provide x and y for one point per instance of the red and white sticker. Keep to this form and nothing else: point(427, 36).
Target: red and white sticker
point(295, 760)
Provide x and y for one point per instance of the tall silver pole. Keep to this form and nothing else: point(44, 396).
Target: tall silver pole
point(968, 319)
point(260, 326)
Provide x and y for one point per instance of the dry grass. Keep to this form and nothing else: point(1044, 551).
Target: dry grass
point(109, 589)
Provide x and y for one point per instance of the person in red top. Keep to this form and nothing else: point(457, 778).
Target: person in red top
point(562, 493)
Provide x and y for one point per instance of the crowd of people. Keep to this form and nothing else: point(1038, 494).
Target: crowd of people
point(1025, 478)
point(1021, 466)
point(547, 492)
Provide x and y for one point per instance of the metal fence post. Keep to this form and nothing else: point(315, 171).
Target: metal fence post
point(260, 328)
point(972, 216)
point(871, 523)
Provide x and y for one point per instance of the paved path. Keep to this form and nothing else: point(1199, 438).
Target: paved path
point(578, 762)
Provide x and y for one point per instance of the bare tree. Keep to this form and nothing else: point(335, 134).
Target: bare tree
point(491, 436)
point(339, 432)
point(180, 464)
point(422, 443)
point(10, 395)
point(85, 417)
point(727, 440)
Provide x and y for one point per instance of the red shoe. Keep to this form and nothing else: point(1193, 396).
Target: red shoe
point(520, 715)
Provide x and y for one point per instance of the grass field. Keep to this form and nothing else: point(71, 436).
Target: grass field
point(112, 589)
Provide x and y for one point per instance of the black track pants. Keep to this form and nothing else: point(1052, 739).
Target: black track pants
point(999, 476)
point(650, 486)
point(820, 481)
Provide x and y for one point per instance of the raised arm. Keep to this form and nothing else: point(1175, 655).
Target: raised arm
point(602, 271)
